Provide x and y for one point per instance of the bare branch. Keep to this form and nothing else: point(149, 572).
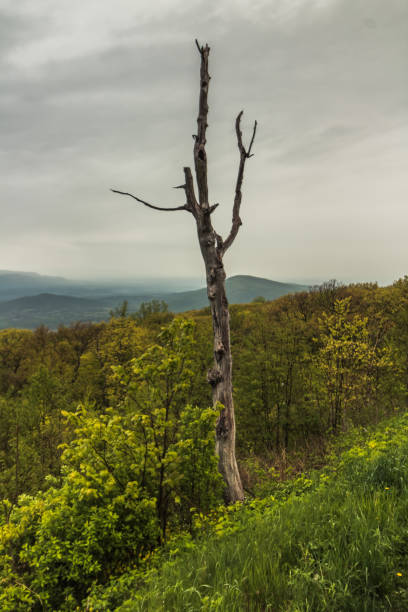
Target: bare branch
point(200, 155)
point(239, 133)
point(244, 155)
point(184, 207)
point(249, 154)
point(192, 204)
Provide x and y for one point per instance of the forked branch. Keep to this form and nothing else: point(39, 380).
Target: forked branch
point(243, 156)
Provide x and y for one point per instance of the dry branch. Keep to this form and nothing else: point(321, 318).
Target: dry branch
point(184, 207)
point(243, 156)
point(200, 155)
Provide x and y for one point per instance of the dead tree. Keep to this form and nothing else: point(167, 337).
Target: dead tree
point(213, 248)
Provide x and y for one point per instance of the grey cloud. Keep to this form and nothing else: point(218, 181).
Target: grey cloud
point(14, 30)
point(326, 81)
point(323, 142)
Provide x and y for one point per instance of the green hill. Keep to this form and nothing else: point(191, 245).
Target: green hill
point(50, 310)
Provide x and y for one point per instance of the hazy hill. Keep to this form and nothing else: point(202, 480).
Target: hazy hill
point(52, 309)
point(21, 284)
point(240, 289)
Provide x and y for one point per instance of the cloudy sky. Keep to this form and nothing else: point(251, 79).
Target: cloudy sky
point(97, 94)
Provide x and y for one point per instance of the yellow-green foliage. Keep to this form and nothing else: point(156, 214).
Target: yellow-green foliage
point(129, 478)
point(334, 541)
point(285, 396)
point(138, 465)
point(350, 364)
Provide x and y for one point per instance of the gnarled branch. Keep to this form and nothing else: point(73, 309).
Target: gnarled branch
point(184, 207)
point(244, 155)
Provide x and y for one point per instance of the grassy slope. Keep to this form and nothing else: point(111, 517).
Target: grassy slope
point(338, 541)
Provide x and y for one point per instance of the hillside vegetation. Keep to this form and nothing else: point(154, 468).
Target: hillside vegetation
point(109, 490)
point(336, 540)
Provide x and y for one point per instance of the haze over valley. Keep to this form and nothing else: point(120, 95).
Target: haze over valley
point(28, 300)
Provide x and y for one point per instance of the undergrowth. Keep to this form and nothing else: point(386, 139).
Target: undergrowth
point(334, 541)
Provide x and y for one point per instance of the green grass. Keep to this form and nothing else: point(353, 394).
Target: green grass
point(337, 542)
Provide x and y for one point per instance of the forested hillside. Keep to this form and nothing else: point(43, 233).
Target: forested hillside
point(107, 461)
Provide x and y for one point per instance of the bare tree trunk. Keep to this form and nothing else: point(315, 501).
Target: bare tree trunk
point(220, 375)
point(213, 248)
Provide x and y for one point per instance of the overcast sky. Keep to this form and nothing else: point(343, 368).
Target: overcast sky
point(97, 94)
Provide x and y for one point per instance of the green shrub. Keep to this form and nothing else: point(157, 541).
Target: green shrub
point(337, 542)
point(129, 479)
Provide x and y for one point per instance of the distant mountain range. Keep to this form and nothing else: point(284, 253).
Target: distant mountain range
point(54, 301)
point(21, 284)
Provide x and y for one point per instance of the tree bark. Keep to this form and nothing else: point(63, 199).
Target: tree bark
point(213, 248)
point(220, 375)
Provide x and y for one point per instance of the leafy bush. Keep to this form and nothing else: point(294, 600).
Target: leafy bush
point(129, 477)
point(337, 541)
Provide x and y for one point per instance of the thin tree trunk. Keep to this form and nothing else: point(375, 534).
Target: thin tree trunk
point(17, 466)
point(278, 425)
